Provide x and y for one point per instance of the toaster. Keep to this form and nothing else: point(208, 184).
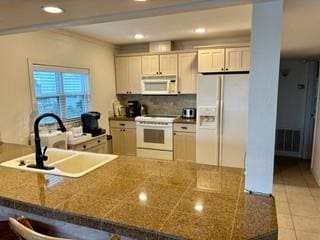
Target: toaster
point(189, 113)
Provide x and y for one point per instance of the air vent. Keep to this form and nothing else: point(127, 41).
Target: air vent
point(288, 141)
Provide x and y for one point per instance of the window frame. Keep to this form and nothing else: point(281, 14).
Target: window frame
point(62, 97)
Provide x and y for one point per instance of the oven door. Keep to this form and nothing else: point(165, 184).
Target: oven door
point(155, 87)
point(153, 136)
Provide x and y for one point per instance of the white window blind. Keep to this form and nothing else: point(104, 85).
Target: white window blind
point(64, 92)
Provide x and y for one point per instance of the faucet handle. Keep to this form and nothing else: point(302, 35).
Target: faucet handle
point(44, 157)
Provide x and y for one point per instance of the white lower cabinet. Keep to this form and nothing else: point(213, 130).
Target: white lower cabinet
point(184, 142)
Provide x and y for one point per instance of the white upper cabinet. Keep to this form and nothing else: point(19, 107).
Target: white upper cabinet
point(122, 74)
point(135, 75)
point(150, 65)
point(128, 75)
point(168, 64)
point(188, 72)
point(237, 59)
point(211, 60)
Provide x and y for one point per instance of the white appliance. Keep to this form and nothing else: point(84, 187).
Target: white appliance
point(222, 119)
point(52, 139)
point(159, 85)
point(154, 136)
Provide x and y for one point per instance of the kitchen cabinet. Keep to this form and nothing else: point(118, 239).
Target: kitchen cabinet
point(96, 144)
point(184, 142)
point(128, 75)
point(237, 59)
point(211, 60)
point(123, 137)
point(150, 65)
point(166, 64)
point(188, 72)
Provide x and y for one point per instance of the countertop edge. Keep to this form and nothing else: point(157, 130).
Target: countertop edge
point(86, 221)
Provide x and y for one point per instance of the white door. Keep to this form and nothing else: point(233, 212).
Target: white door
point(234, 120)
point(169, 64)
point(188, 73)
point(207, 134)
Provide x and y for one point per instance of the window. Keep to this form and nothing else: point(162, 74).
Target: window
point(62, 91)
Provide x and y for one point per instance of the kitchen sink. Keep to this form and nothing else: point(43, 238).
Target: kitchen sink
point(66, 162)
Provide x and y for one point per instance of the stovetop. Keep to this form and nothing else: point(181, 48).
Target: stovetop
point(157, 118)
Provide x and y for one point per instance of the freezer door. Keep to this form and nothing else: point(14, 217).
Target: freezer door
point(234, 119)
point(207, 135)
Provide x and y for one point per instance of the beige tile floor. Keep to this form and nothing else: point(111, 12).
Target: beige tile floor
point(297, 200)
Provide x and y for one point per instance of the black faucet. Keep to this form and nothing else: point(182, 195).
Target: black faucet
point(41, 156)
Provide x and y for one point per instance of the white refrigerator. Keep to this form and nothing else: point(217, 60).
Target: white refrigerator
point(222, 119)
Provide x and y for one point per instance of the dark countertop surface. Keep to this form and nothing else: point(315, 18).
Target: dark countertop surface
point(144, 199)
point(185, 121)
point(121, 118)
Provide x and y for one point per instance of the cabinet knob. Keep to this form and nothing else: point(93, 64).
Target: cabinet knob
point(160, 72)
point(84, 146)
point(222, 69)
point(227, 69)
point(179, 92)
point(99, 141)
point(184, 128)
point(157, 73)
point(122, 124)
point(174, 134)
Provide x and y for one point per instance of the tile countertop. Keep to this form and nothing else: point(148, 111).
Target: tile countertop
point(178, 120)
point(144, 199)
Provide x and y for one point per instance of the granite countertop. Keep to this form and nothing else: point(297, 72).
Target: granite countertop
point(185, 121)
point(144, 199)
point(121, 118)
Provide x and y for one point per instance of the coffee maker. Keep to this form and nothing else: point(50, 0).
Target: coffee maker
point(133, 109)
point(90, 123)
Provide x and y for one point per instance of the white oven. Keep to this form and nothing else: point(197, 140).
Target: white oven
point(154, 135)
point(159, 85)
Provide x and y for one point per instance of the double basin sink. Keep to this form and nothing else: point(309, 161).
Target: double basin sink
point(66, 162)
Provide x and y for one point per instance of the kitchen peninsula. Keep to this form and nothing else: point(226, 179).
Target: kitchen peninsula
point(144, 199)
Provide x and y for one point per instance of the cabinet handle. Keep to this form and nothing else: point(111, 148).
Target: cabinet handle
point(184, 128)
point(122, 124)
point(174, 134)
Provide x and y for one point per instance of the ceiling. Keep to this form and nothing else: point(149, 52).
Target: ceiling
point(300, 38)
point(109, 20)
point(25, 15)
point(229, 21)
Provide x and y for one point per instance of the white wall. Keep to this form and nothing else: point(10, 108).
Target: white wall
point(263, 92)
point(52, 47)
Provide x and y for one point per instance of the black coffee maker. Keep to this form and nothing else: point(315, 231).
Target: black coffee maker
point(133, 109)
point(90, 123)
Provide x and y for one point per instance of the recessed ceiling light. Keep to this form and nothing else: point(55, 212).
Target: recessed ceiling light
point(138, 36)
point(52, 9)
point(200, 30)
point(140, 0)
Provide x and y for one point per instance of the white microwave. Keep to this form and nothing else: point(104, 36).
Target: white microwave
point(159, 85)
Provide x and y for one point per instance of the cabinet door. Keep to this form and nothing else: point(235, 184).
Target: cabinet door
point(187, 73)
point(135, 75)
point(211, 60)
point(117, 141)
point(169, 64)
point(130, 142)
point(218, 60)
point(150, 65)
point(238, 59)
point(122, 74)
point(184, 146)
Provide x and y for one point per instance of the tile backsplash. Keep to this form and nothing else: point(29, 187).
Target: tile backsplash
point(162, 104)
